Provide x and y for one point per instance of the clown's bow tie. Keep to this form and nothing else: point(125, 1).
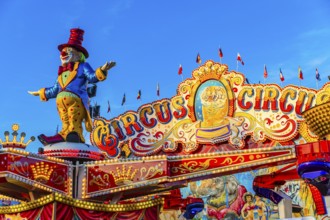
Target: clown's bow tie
point(62, 69)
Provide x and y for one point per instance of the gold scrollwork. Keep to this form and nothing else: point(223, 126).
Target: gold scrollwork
point(192, 166)
point(152, 171)
point(185, 88)
point(183, 125)
point(58, 179)
point(100, 181)
point(229, 160)
point(234, 79)
point(19, 167)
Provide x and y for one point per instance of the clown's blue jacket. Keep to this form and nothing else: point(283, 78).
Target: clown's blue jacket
point(77, 81)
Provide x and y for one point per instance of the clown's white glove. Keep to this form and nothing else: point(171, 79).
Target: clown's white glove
point(108, 65)
point(35, 93)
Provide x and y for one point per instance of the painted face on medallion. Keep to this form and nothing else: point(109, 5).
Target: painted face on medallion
point(69, 54)
point(214, 106)
point(214, 95)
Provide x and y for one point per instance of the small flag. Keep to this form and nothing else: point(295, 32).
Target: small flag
point(300, 74)
point(239, 58)
point(220, 53)
point(108, 107)
point(281, 75)
point(180, 70)
point(265, 72)
point(198, 59)
point(158, 92)
point(318, 77)
point(124, 100)
point(139, 94)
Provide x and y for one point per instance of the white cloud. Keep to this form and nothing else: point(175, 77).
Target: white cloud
point(317, 61)
point(118, 6)
point(316, 33)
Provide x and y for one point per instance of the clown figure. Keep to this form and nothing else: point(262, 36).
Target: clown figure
point(70, 90)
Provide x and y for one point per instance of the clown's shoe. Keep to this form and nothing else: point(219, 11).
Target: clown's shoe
point(45, 140)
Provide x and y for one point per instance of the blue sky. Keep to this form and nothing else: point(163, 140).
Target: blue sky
point(149, 40)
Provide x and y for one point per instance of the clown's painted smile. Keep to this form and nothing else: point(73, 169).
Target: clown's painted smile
point(69, 54)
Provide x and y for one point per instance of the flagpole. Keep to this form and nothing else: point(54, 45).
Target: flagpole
point(237, 66)
point(317, 84)
point(182, 77)
point(110, 115)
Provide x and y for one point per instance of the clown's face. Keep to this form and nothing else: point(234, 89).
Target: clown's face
point(69, 54)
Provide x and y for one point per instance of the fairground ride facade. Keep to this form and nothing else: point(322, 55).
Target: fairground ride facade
point(220, 148)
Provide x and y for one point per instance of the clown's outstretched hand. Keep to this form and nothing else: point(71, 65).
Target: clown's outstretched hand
point(108, 65)
point(35, 93)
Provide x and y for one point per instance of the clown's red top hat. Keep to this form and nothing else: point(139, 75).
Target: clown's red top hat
point(75, 41)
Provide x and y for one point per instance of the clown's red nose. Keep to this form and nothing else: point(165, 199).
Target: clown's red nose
point(63, 53)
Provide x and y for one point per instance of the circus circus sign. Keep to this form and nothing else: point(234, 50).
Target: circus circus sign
point(214, 106)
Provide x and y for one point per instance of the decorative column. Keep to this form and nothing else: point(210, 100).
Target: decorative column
point(327, 203)
point(285, 206)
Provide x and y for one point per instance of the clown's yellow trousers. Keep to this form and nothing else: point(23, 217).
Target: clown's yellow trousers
point(72, 113)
